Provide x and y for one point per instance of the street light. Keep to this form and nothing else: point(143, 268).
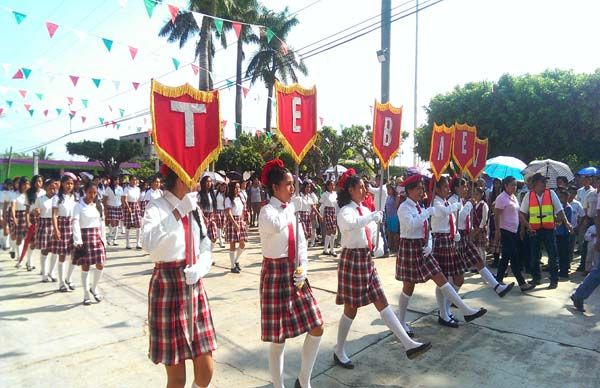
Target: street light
point(382, 55)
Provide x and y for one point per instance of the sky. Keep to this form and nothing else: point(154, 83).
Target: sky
point(459, 41)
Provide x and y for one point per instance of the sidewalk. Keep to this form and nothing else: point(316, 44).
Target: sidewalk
point(48, 339)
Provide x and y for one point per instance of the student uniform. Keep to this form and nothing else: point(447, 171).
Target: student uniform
point(114, 210)
point(43, 233)
point(303, 204)
point(89, 232)
point(132, 216)
point(220, 212)
point(148, 196)
point(233, 235)
point(65, 207)
point(19, 229)
point(210, 214)
point(443, 227)
point(329, 202)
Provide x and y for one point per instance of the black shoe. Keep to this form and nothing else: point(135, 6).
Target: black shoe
point(325, 253)
point(535, 282)
point(506, 290)
point(297, 384)
point(235, 270)
point(87, 302)
point(63, 288)
point(237, 265)
point(345, 365)
point(416, 352)
point(410, 332)
point(127, 247)
point(12, 255)
point(451, 323)
point(553, 285)
point(578, 303)
point(52, 279)
point(478, 314)
point(30, 268)
point(70, 285)
point(526, 287)
point(138, 248)
point(98, 297)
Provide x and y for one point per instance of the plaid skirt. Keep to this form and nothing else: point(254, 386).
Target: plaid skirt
point(143, 205)
point(95, 253)
point(211, 226)
point(43, 234)
point(444, 251)
point(411, 265)
point(168, 301)
point(132, 219)
point(479, 237)
point(64, 246)
point(8, 220)
point(34, 219)
point(19, 230)
point(233, 235)
point(285, 311)
point(330, 220)
point(114, 213)
point(220, 218)
point(358, 281)
point(467, 251)
point(306, 221)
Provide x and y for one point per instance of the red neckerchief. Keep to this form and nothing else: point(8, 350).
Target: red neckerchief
point(450, 220)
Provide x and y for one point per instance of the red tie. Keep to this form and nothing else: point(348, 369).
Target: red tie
point(467, 220)
point(367, 231)
point(451, 220)
point(188, 244)
point(425, 227)
point(291, 240)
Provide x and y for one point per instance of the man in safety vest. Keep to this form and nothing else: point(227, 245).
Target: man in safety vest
point(539, 211)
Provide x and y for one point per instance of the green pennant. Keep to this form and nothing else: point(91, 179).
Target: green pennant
point(270, 35)
point(84, 102)
point(219, 25)
point(237, 125)
point(31, 112)
point(96, 82)
point(122, 112)
point(101, 120)
point(26, 72)
point(108, 43)
point(40, 96)
point(229, 83)
point(175, 63)
point(150, 4)
point(58, 111)
point(9, 103)
point(19, 16)
point(118, 126)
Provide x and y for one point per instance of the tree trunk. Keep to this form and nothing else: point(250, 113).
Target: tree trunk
point(204, 79)
point(238, 89)
point(269, 108)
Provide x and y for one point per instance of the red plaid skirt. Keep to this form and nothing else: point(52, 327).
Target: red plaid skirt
point(306, 223)
point(168, 301)
point(467, 251)
point(445, 253)
point(8, 218)
point(132, 219)
point(43, 234)
point(330, 220)
point(358, 281)
point(94, 247)
point(34, 219)
point(114, 213)
point(143, 205)
point(19, 230)
point(211, 226)
point(286, 312)
point(479, 238)
point(411, 265)
point(220, 218)
point(64, 246)
point(233, 235)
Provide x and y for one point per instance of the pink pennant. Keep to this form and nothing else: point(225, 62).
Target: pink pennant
point(133, 51)
point(245, 91)
point(72, 113)
point(46, 112)
point(114, 124)
point(174, 11)
point(27, 107)
point(223, 123)
point(74, 79)
point(51, 28)
point(70, 99)
point(237, 27)
point(18, 75)
point(1, 110)
point(322, 120)
point(23, 93)
point(136, 85)
point(83, 118)
point(195, 68)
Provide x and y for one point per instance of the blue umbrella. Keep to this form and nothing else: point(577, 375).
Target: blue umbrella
point(588, 171)
point(502, 166)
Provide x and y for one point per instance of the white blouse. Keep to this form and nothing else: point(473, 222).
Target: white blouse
point(440, 220)
point(220, 201)
point(114, 197)
point(237, 208)
point(65, 208)
point(273, 229)
point(131, 194)
point(463, 213)
point(45, 205)
point(411, 221)
point(329, 199)
point(352, 226)
point(86, 216)
point(303, 202)
point(20, 202)
point(211, 205)
point(152, 194)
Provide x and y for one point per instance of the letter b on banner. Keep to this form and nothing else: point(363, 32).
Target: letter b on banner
point(387, 123)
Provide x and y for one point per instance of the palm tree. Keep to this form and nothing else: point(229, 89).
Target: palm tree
point(43, 153)
point(270, 62)
point(185, 27)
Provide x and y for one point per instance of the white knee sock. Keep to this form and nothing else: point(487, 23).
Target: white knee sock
point(309, 356)
point(85, 284)
point(220, 237)
point(448, 303)
point(61, 276)
point(6, 244)
point(232, 258)
point(53, 262)
point(238, 253)
point(332, 243)
point(138, 241)
point(70, 270)
point(18, 250)
point(391, 321)
point(13, 245)
point(29, 252)
point(487, 276)
point(96, 276)
point(43, 260)
point(127, 238)
point(326, 243)
point(441, 301)
point(342, 334)
point(276, 352)
point(453, 297)
point(402, 306)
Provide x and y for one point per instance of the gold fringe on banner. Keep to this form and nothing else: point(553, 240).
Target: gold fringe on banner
point(383, 108)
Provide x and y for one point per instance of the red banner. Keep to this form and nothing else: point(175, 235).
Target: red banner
point(477, 165)
point(387, 123)
point(441, 147)
point(463, 145)
point(186, 128)
point(296, 118)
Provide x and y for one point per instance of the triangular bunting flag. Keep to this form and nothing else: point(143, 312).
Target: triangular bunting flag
point(195, 68)
point(173, 10)
point(223, 123)
point(72, 114)
point(96, 81)
point(26, 72)
point(136, 85)
point(74, 79)
point(23, 93)
point(1, 110)
point(175, 63)
point(133, 51)
point(46, 112)
point(58, 111)
point(31, 112)
point(322, 120)
point(150, 4)
point(270, 35)
point(117, 84)
point(51, 28)
point(19, 16)
point(27, 107)
point(219, 25)
point(121, 112)
point(84, 102)
point(229, 83)
point(101, 119)
point(83, 118)
point(198, 17)
point(245, 91)
point(284, 48)
point(118, 126)
point(70, 99)
point(237, 27)
point(40, 96)
point(18, 75)
point(108, 43)
point(9, 103)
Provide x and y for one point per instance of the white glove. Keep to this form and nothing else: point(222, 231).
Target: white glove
point(456, 206)
point(457, 237)
point(427, 250)
point(426, 213)
point(188, 203)
point(378, 252)
point(300, 275)
point(192, 274)
point(377, 216)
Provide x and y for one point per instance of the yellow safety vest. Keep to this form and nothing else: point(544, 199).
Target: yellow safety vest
point(541, 216)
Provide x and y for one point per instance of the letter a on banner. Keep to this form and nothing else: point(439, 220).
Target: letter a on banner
point(477, 165)
point(441, 147)
point(186, 128)
point(387, 124)
point(296, 118)
point(463, 145)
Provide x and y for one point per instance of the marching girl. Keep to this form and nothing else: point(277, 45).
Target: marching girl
point(20, 216)
point(306, 207)
point(10, 196)
point(164, 238)
point(62, 243)
point(33, 193)
point(208, 204)
point(415, 263)
point(220, 213)
point(5, 200)
point(43, 233)
point(329, 204)
point(465, 247)
point(480, 222)
point(358, 281)
point(151, 194)
point(89, 240)
point(114, 211)
point(282, 282)
point(132, 216)
point(236, 231)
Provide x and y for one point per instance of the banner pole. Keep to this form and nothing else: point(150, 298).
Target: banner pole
point(297, 183)
point(379, 203)
point(192, 305)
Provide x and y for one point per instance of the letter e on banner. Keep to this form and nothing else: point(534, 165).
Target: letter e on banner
point(441, 147)
point(477, 165)
point(387, 129)
point(463, 145)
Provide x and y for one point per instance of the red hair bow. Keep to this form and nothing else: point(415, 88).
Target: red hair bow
point(264, 175)
point(348, 173)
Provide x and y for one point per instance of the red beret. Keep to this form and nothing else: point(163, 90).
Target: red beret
point(412, 179)
point(264, 175)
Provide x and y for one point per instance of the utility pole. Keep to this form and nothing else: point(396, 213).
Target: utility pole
point(416, 74)
point(386, 23)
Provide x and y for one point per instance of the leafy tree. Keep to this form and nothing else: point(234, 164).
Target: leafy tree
point(15, 155)
point(555, 114)
point(336, 146)
point(109, 154)
point(146, 170)
point(272, 61)
point(364, 146)
point(43, 153)
point(239, 158)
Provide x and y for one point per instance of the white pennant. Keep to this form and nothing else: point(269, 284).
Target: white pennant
point(117, 84)
point(198, 18)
